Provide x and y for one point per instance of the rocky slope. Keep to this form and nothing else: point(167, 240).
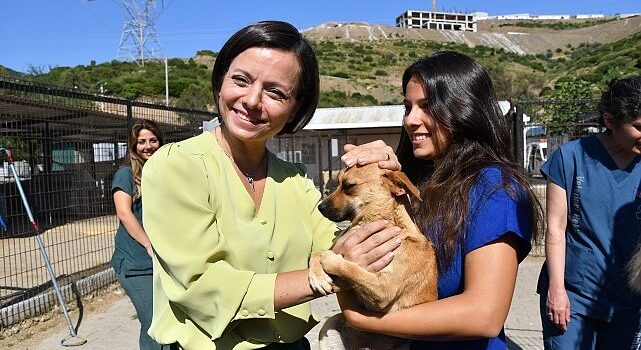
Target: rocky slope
point(515, 39)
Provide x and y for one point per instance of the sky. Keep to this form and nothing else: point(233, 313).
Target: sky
point(42, 34)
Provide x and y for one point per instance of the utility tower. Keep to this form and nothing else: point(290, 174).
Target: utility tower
point(139, 39)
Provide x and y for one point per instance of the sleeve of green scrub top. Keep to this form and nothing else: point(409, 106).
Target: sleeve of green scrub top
point(180, 222)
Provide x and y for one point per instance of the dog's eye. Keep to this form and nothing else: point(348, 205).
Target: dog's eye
point(347, 186)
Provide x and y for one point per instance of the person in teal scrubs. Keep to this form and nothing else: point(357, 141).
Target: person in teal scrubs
point(233, 226)
point(593, 223)
point(131, 259)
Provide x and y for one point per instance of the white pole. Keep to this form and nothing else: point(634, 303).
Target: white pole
point(166, 83)
point(102, 93)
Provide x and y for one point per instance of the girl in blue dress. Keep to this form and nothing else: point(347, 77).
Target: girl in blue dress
point(477, 207)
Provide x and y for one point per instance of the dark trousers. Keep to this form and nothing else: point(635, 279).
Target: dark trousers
point(139, 291)
point(586, 333)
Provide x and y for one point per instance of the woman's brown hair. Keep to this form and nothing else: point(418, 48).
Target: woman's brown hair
point(461, 99)
point(282, 36)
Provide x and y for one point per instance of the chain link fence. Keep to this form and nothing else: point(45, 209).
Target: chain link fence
point(542, 126)
point(67, 144)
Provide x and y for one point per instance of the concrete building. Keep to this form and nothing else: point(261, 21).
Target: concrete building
point(437, 20)
point(590, 16)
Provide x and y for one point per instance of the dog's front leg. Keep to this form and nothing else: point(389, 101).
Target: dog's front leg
point(319, 280)
point(374, 288)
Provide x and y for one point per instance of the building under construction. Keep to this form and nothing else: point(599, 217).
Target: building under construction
point(437, 20)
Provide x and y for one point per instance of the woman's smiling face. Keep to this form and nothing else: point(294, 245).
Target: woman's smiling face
point(258, 94)
point(429, 139)
point(146, 144)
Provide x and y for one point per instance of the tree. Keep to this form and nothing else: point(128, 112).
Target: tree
point(572, 99)
point(195, 97)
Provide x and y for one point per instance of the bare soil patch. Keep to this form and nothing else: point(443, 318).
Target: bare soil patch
point(27, 334)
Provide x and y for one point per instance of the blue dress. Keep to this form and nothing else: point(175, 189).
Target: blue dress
point(493, 213)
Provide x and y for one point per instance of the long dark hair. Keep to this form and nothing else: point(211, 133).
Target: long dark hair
point(461, 99)
point(282, 36)
point(131, 158)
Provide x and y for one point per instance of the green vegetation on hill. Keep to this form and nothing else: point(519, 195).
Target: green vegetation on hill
point(381, 64)
point(558, 24)
point(584, 71)
point(9, 72)
point(187, 80)
point(369, 73)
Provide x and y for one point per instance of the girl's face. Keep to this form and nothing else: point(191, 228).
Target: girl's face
point(258, 94)
point(146, 144)
point(429, 139)
point(627, 136)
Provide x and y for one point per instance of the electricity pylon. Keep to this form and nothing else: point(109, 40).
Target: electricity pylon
point(139, 39)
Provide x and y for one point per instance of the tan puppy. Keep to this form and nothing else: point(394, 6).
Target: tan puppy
point(367, 194)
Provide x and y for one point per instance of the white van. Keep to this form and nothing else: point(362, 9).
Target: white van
point(536, 153)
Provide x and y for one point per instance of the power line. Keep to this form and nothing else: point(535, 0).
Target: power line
point(139, 40)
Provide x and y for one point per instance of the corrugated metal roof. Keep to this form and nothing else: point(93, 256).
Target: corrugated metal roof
point(357, 117)
point(365, 117)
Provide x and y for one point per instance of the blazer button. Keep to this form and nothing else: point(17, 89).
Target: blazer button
point(261, 312)
point(270, 255)
point(244, 313)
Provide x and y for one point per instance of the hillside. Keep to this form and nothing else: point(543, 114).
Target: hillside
point(507, 35)
point(362, 64)
point(526, 61)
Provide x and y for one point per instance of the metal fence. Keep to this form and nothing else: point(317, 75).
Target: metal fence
point(540, 127)
point(67, 144)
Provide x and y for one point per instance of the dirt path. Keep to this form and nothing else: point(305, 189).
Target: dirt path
point(28, 334)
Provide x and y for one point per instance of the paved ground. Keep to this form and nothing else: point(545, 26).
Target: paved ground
point(117, 328)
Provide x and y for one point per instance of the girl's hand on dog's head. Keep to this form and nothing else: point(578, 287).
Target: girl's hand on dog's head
point(372, 152)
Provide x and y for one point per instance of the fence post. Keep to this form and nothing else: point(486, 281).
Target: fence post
point(518, 135)
point(47, 152)
point(321, 182)
point(130, 117)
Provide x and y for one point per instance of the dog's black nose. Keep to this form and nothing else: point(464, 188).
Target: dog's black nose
point(323, 207)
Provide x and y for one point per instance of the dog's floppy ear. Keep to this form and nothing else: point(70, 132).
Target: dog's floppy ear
point(402, 185)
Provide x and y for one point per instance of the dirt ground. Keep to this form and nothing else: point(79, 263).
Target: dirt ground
point(27, 334)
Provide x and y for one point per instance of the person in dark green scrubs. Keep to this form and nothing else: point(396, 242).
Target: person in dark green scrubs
point(131, 259)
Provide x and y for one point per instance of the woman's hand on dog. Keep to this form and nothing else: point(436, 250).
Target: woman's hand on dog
point(372, 152)
point(371, 246)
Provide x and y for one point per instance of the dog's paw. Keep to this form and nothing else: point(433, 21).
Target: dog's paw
point(321, 283)
point(319, 280)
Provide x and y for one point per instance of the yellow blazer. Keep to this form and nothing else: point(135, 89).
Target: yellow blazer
point(216, 259)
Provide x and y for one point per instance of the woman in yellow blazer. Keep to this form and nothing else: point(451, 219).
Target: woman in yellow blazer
point(232, 226)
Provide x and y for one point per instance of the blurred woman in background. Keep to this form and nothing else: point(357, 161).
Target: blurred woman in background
point(132, 255)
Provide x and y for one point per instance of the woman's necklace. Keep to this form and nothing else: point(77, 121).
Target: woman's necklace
point(248, 176)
